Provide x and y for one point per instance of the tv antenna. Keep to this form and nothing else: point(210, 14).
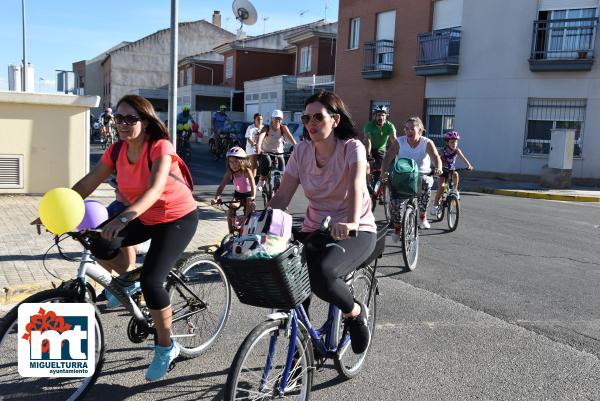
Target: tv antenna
point(244, 12)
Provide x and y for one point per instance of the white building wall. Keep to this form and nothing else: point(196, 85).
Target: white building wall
point(494, 83)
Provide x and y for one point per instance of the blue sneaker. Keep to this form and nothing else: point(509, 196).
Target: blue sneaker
point(163, 356)
point(112, 301)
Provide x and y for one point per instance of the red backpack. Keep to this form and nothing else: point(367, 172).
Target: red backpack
point(185, 171)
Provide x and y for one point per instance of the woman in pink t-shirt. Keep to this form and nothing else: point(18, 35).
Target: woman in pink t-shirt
point(331, 166)
point(161, 208)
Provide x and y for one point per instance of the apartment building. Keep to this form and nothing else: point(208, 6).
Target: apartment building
point(376, 52)
point(524, 68)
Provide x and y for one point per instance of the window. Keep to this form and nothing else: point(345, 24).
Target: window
point(189, 80)
point(439, 119)
point(229, 67)
point(563, 34)
point(305, 55)
point(354, 33)
point(545, 114)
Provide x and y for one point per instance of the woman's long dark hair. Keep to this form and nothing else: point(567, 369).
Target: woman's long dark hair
point(155, 129)
point(335, 105)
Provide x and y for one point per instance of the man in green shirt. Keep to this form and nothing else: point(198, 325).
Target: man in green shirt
point(378, 134)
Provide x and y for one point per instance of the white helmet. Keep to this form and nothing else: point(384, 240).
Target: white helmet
point(277, 114)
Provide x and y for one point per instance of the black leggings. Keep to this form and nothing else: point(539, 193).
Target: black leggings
point(265, 162)
point(169, 240)
point(327, 267)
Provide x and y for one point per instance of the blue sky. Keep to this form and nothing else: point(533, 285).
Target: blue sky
point(60, 32)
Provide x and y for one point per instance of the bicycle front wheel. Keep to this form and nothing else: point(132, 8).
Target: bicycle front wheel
point(347, 363)
point(16, 387)
point(410, 237)
point(200, 302)
point(258, 366)
point(453, 212)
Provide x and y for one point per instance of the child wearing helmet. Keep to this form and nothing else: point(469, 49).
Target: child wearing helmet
point(449, 153)
point(240, 171)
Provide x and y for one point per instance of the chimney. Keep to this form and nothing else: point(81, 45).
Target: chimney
point(216, 20)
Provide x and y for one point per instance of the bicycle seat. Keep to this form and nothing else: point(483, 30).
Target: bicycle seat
point(379, 244)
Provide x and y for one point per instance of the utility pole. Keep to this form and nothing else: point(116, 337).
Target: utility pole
point(173, 74)
point(25, 69)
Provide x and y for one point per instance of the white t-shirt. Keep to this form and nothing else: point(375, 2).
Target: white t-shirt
point(252, 133)
point(418, 154)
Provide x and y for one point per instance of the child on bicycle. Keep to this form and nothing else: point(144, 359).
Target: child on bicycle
point(449, 153)
point(240, 171)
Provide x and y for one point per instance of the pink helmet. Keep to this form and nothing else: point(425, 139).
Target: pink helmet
point(238, 152)
point(448, 136)
point(108, 110)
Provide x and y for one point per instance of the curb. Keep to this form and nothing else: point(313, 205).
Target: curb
point(17, 293)
point(519, 193)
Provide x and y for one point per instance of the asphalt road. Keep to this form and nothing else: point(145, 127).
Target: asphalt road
point(505, 308)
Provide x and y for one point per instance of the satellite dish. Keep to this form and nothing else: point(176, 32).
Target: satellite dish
point(244, 12)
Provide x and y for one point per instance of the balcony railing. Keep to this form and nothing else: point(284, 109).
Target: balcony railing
point(379, 59)
point(563, 44)
point(437, 52)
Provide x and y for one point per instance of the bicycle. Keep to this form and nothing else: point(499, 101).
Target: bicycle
point(273, 179)
point(409, 222)
point(199, 315)
point(378, 190)
point(277, 358)
point(226, 142)
point(237, 221)
point(450, 201)
point(184, 148)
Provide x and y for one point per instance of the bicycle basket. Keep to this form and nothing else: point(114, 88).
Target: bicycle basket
point(280, 283)
point(404, 177)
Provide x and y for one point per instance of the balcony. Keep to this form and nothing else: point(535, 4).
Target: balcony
point(563, 44)
point(437, 52)
point(379, 59)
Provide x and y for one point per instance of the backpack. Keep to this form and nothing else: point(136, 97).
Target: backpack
point(185, 171)
point(404, 180)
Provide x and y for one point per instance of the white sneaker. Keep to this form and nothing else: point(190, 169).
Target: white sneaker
point(259, 186)
point(424, 224)
point(435, 210)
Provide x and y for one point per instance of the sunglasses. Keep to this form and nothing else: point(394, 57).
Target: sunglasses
point(128, 119)
point(319, 117)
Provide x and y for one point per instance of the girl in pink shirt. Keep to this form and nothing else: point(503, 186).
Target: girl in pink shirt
point(331, 167)
point(240, 171)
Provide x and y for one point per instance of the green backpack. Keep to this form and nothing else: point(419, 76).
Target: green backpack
point(404, 177)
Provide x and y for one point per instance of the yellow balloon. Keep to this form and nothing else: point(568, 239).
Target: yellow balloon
point(61, 210)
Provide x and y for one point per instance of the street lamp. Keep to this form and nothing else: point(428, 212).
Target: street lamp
point(40, 84)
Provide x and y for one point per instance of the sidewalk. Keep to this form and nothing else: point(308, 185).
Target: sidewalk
point(22, 249)
point(529, 190)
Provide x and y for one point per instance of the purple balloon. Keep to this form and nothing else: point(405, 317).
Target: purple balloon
point(95, 214)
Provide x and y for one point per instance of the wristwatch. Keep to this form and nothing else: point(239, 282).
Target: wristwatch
point(124, 219)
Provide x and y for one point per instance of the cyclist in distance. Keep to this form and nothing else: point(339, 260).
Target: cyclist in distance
point(252, 140)
point(159, 207)
point(219, 120)
point(423, 151)
point(238, 170)
point(271, 139)
point(331, 166)
point(449, 153)
point(379, 133)
point(107, 123)
point(184, 122)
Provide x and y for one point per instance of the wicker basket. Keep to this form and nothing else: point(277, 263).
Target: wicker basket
point(280, 283)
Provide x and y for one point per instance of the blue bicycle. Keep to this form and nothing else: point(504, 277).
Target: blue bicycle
point(277, 359)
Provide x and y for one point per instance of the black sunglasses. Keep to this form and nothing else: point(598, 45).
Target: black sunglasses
point(319, 117)
point(128, 119)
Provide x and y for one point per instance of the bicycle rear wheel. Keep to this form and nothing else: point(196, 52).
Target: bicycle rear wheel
point(410, 237)
point(347, 363)
point(16, 387)
point(453, 212)
point(251, 377)
point(206, 308)
point(385, 199)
